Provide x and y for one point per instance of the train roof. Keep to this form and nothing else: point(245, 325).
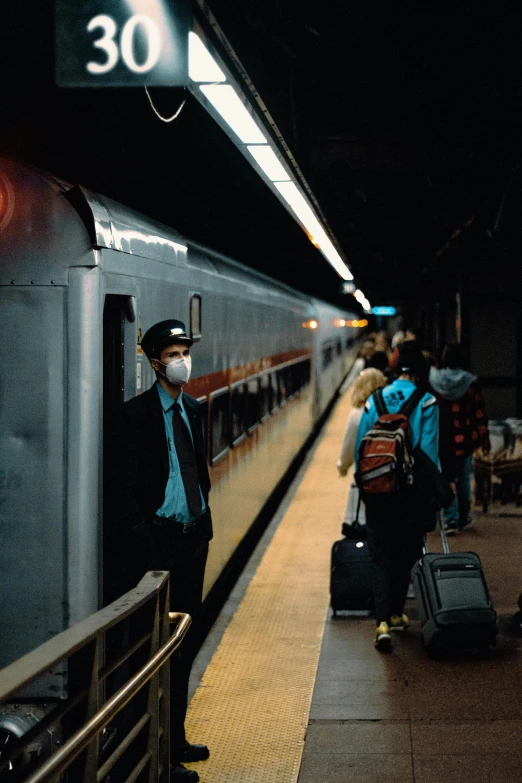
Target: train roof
point(109, 225)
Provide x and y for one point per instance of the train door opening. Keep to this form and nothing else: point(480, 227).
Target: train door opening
point(117, 311)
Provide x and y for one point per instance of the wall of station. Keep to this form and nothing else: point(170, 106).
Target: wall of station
point(472, 294)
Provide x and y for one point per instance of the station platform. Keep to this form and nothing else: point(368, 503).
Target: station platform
point(284, 693)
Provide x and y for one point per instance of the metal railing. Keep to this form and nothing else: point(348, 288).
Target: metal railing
point(117, 681)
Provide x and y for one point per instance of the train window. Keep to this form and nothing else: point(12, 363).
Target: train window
point(306, 369)
point(219, 425)
point(195, 316)
point(274, 392)
point(265, 405)
point(301, 372)
point(252, 404)
point(203, 407)
point(238, 409)
point(281, 386)
point(305, 373)
point(291, 387)
point(327, 356)
point(339, 347)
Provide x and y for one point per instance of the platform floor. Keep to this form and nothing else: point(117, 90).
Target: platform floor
point(293, 695)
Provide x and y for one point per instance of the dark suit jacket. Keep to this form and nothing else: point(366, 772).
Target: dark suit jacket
point(137, 462)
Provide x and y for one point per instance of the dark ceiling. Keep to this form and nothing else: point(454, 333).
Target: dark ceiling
point(405, 119)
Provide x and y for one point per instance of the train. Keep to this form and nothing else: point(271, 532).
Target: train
point(81, 280)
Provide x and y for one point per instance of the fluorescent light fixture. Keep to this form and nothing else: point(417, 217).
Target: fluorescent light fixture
point(227, 103)
point(330, 253)
point(363, 301)
point(267, 160)
point(304, 212)
point(201, 64)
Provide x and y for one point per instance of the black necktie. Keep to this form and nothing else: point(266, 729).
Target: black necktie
point(187, 462)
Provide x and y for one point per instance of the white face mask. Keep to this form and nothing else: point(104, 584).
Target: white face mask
point(178, 371)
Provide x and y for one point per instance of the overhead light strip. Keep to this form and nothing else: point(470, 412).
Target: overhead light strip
point(228, 104)
point(267, 160)
point(202, 66)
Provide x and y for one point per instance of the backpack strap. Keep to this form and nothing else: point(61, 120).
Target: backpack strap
point(380, 405)
point(412, 402)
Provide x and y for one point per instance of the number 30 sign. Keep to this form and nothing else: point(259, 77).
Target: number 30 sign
point(122, 43)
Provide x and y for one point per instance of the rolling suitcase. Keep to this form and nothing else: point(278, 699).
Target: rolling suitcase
point(454, 605)
point(350, 578)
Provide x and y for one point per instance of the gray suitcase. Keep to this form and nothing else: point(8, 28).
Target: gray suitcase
point(455, 609)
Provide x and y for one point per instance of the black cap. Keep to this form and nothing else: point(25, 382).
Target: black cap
point(411, 359)
point(162, 334)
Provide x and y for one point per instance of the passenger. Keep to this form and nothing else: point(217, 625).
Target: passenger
point(396, 522)
point(463, 429)
point(158, 490)
point(380, 362)
point(368, 381)
point(381, 343)
point(411, 334)
point(363, 357)
point(397, 341)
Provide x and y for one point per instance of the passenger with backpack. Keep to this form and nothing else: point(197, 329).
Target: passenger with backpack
point(396, 420)
point(368, 381)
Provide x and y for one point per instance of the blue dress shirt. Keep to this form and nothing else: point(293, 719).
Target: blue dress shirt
point(175, 504)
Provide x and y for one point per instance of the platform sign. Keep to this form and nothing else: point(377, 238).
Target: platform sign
point(384, 310)
point(348, 287)
point(122, 43)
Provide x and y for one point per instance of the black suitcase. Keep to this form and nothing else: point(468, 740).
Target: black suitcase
point(454, 605)
point(350, 578)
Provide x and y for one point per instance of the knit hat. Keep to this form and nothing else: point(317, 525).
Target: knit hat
point(411, 360)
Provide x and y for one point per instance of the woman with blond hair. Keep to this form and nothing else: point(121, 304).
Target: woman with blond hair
point(368, 381)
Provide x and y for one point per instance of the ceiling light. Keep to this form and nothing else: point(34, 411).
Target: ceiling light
point(201, 64)
point(317, 234)
point(267, 160)
point(227, 103)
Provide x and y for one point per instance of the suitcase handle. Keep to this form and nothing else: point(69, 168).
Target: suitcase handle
point(445, 547)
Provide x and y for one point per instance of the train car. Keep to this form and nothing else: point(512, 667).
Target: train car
point(81, 279)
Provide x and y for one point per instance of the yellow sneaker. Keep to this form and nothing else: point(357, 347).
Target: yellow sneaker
point(383, 637)
point(399, 623)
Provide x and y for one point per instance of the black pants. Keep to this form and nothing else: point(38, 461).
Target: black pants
point(185, 556)
point(395, 540)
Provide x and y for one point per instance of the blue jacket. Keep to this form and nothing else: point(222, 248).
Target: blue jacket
point(424, 421)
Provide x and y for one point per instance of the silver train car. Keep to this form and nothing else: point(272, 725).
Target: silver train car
point(81, 279)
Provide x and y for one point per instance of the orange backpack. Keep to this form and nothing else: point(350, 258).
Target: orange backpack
point(385, 453)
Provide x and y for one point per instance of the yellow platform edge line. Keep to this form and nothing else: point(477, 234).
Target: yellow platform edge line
point(253, 704)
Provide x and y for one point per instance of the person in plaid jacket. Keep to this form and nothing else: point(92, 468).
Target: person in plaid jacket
point(463, 429)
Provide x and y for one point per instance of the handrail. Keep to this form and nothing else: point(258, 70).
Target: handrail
point(117, 661)
point(26, 669)
point(60, 760)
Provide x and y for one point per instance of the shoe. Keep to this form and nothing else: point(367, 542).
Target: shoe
point(450, 530)
point(399, 622)
point(194, 752)
point(382, 637)
point(180, 774)
point(467, 523)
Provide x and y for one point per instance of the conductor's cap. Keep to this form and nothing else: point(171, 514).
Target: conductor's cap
point(162, 334)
